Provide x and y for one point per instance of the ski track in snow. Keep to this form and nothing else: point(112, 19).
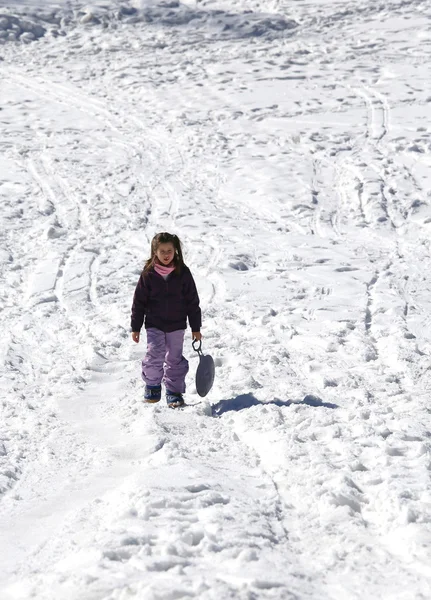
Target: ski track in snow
point(288, 146)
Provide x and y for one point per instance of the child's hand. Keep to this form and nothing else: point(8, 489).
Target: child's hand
point(135, 336)
point(196, 335)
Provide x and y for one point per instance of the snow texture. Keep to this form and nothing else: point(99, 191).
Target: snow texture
point(287, 143)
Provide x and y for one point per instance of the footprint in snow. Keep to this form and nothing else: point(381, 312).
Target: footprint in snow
point(242, 262)
point(345, 269)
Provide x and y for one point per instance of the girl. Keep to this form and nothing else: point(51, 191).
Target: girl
point(165, 296)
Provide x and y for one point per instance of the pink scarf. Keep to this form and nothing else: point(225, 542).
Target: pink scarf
point(162, 270)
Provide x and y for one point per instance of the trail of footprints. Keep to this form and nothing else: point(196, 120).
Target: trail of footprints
point(224, 513)
point(350, 477)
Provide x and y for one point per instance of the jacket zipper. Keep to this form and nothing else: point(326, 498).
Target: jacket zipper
point(167, 301)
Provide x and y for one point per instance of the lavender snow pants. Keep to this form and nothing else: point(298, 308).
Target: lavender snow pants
point(164, 360)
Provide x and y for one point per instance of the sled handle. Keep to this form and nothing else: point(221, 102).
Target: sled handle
point(198, 349)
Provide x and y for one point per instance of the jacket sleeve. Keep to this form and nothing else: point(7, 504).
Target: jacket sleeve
point(140, 300)
point(192, 302)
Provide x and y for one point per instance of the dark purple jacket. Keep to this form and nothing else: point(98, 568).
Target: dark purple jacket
point(166, 304)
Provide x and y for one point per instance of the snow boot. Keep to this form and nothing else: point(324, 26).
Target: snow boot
point(153, 393)
point(174, 399)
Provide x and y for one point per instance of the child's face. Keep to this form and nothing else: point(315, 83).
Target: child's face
point(165, 253)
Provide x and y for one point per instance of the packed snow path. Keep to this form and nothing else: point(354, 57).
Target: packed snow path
point(289, 148)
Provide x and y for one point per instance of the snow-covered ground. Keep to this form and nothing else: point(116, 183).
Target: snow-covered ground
point(288, 144)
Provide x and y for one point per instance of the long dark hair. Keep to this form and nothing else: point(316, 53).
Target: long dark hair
point(166, 238)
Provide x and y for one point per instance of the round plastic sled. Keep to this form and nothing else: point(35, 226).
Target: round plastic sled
point(205, 372)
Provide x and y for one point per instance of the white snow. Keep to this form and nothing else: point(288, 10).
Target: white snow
point(288, 145)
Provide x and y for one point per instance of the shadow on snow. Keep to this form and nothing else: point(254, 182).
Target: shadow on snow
point(248, 400)
point(225, 24)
